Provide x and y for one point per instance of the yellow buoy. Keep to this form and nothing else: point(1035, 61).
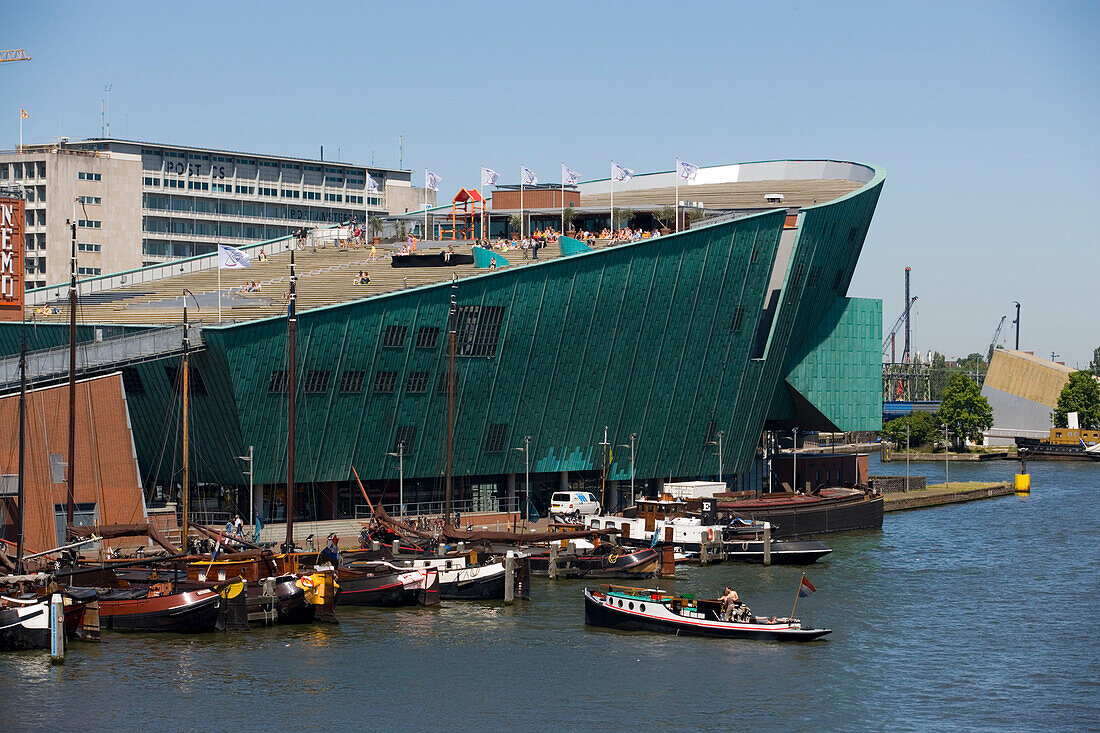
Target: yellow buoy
point(1023, 483)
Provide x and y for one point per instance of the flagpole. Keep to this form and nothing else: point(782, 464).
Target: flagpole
point(677, 202)
point(482, 202)
point(562, 202)
point(612, 214)
point(521, 200)
point(219, 284)
point(425, 204)
point(796, 594)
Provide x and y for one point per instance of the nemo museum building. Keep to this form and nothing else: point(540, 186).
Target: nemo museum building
point(597, 366)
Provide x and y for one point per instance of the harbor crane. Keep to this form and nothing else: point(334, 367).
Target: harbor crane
point(996, 337)
point(16, 54)
point(888, 342)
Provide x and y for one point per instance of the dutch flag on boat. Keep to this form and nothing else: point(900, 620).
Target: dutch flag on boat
point(805, 588)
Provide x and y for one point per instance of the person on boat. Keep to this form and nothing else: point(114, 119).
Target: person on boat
point(238, 526)
point(730, 601)
point(332, 549)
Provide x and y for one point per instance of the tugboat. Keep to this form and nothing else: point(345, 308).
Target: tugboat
point(1063, 444)
point(646, 609)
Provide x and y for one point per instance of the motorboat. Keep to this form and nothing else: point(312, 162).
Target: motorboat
point(646, 609)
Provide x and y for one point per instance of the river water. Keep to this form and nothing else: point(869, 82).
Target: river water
point(966, 617)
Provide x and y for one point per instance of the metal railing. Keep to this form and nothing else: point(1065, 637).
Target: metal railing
point(435, 508)
point(92, 356)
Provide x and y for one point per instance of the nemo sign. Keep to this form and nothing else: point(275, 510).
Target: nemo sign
point(11, 259)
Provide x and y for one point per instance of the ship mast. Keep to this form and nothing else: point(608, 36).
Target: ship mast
point(291, 335)
point(22, 444)
point(450, 410)
point(184, 393)
point(70, 494)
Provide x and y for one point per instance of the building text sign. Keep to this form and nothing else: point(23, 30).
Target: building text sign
point(11, 259)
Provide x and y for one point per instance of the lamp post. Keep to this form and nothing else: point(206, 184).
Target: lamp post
point(633, 437)
point(527, 474)
point(906, 456)
point(718, 443)
point(1017, 323)
point(946, 456)
point(794, 459)
point(400, 456)
point(251, 497)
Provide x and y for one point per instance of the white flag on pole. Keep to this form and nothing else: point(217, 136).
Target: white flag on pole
point(231, 258)
point(527, 176)
point(620, 174)
point(372, 185)
point(431, 180)
point(568, 176)
point(686, 171)
point(489, 176)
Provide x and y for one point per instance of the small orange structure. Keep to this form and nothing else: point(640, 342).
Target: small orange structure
point(467, 205)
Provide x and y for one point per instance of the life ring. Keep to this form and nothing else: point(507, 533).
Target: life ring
point(710, 535)
point(613, 558)
point(305, 582)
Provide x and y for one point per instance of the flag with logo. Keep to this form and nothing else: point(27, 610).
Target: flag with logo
point(686, 171)
point(431, 180)
point(489, 176)
point(372, 185)
point(527, 176)
point(23, 114)
point(569, 176)
point(620, 174)
point(231, 258)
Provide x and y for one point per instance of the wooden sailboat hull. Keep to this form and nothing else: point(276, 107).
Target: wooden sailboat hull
point(182, 613)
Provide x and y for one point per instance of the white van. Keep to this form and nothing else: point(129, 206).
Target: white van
point(566, 502)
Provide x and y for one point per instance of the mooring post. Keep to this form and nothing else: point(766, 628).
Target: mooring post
point(57, 629)
point(767, 544)
point(509, 577)
point(668, 562)
point(704, 552)
point(552, 568)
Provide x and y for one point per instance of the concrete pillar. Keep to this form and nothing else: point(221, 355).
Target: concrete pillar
point(563, 481)
point(660, 486)
point(613, 496)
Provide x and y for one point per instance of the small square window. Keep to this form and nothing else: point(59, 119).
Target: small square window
point(317, 382)
point(351, 382)
point(494, 439)
point(417, 383)
point(385, 382)
point(277, 383)
point(427, 337)
point(394, 336)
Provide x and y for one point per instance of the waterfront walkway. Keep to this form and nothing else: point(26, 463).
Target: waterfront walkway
point(953, 493)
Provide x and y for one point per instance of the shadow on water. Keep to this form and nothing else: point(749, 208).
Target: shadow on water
point(973, 616)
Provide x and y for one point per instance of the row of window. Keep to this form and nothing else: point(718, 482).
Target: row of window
point(198, 185)
point(351, 382)
point(88, 271)
point(288, 194)
point(89, 223)
point(173, 183)
point(235, 208)
point(86, 247)
point(268, 191)
point(83, 176)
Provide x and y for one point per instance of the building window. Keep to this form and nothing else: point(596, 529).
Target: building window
point(797, 277)
point(311, 167)
point(88, 271)
point(268, 191)
point(837, 279)
point(394, 336)
point(195, 385)
point(247, 190)
point(222, 188)
point(173, 154)
point(195, 156)
point(89, 223)
point(150, 181)
point(131, 381)
point(351, 382)
point(405, 434)
point(268, 164)
point(815, 275)
point(317, 382)
point(245, 161)
point(427, 337)
point(287, 194)
point(311, 195)
point(417, 383)
point(89, 199)
point(222, 159)
point(477, 330)
point(85, 247)
point(278, 382)
point(494, 439)
point(385, 382)
point(198, 185)
point(89, 176)
point(173, 183)
point(738, 317)
point(441, 383)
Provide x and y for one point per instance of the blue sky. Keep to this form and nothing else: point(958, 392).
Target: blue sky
point(985, 115)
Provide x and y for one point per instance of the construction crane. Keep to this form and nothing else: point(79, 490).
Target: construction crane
point(888, 342)
point(13, 55)
point(996, 337)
